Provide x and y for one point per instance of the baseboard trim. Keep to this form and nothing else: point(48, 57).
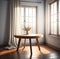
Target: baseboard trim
point(54, 47)
point(1, 46)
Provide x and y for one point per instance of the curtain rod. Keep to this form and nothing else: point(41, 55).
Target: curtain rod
point(30, 1)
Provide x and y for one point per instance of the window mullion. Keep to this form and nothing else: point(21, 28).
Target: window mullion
point(28, 16)
point(57, 17)
point(24, 17)
point(50, 19)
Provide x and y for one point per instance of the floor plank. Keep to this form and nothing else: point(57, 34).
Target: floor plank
point(45, 53)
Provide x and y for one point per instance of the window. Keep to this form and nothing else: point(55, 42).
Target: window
point(54, 18)
point(27, 17)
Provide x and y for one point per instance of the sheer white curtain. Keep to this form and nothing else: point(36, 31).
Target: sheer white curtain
point(14, 28)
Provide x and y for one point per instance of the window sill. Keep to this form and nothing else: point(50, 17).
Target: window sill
point(54, 36)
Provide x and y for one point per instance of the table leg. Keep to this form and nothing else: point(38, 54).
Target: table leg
point(18, 44)
point(38, 43)
point(24, 43)
point(30, 46)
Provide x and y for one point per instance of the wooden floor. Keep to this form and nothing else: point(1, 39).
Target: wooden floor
point(45, 53)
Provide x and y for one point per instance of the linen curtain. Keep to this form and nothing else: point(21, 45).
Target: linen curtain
point(14, 9)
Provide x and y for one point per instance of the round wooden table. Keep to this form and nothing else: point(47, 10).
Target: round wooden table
point(28, 36)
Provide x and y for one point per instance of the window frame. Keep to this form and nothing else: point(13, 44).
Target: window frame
point(36, 14)
point(57, 18)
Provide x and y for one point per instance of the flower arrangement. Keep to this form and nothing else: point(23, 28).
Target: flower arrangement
point(27, 29)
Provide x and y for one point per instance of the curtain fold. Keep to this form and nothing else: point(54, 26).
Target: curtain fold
point(13, 19)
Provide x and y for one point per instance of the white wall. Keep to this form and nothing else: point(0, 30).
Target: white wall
point(40, 20)
point(53, 40)
point(4, 23)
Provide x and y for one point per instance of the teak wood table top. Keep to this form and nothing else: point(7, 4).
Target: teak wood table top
point(29, 36)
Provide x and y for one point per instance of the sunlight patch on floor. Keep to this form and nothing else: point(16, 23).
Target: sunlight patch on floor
point(45, 50)
point(8, 51)
point(26, 51)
